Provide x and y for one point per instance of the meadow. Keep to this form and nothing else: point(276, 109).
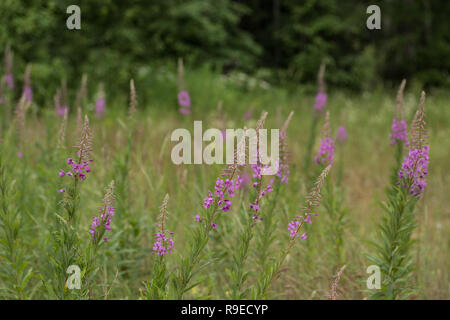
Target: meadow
point(46, 215)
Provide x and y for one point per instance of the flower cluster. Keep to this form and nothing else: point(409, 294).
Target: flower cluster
point(321, 100)
point(399, 132)
point(283, 173)
point(184, 100)
point(294, 227)
point(326, 151)
point(100, 106)
point(321, 97)
point(163, 244)
point(257, 185)
point(79, 170)
point(102, 223)
point(312, 201)
point(414, 170)
point(222, 188)
point(163, 239)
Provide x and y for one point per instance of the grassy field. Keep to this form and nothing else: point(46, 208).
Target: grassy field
point(136, 155)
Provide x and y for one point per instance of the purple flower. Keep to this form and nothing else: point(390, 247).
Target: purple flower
point(399, 132)
point(414, 170)
point(163, 244)
point(208, 200)
point(79, 170)
point(214, 225)
point(62, 110)
point(20, 154)
point(341, 135)
point(308, 219)
point(102, 223)
point(321, 100)
point(254, 206)
point(100, 107)
point(223, 188)
point(61, 190)
point(326, 152)
point(184, 100)
point(224, 204)
point(293, 227)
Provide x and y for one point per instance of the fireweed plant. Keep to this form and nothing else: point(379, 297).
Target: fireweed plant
point(156, 288)
point(272, 271)
point(334, 196)
point(392, 250)
point(399, 134)
point(253, 215)
point(99, 236)
point(66, 247)
point(100, 102)
point(184, 100)
point(215, 204)
point(318, 111)
point(266, 234)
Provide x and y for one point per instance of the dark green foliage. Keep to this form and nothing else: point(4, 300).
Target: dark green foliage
point(276, 40)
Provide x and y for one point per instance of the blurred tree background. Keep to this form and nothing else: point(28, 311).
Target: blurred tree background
point(277, 40)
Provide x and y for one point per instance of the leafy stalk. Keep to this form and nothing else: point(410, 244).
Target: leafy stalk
point(14, 269)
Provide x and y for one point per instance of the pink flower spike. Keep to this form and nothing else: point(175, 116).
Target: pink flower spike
point(184, 99)
point(308, 219)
